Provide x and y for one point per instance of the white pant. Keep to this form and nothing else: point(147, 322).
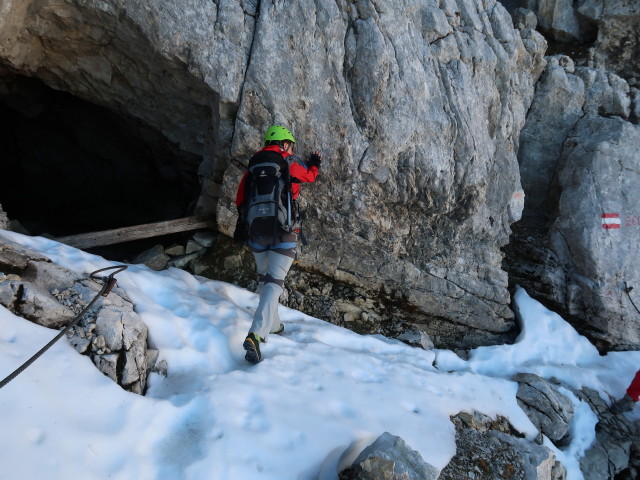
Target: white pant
point(272, 269)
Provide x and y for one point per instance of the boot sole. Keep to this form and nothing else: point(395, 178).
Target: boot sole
point(252, 354)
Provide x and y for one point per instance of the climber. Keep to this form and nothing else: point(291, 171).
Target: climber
point(268, 222)
point(630, 398)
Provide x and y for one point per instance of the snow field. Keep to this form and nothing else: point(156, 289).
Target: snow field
point(320, 389)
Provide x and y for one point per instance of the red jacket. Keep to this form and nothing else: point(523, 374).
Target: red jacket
point(634, 389)
point(306, 175)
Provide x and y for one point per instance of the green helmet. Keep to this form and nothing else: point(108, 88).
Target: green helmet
point(276, 132)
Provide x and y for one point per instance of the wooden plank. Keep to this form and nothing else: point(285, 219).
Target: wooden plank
point(138, 232)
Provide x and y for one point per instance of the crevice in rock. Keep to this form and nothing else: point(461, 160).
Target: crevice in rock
point(536, 408)
point(120, 365)
point(18, 299)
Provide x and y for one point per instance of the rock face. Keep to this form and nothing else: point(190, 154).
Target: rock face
point(608, 32)
point(599, 261)
point(617, 46)
point(584, 167)
point(111, 333)
point(417, 108)
point(424, 114)
point(133, 57)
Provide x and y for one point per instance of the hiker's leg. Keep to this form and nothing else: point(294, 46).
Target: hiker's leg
point(271, 285)
point(262, 267)
point(266, 318)
point(262, 262)
point(280, 262)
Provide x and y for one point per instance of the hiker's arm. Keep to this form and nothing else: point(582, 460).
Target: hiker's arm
point(303, 174)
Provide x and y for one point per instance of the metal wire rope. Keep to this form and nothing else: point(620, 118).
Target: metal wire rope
point(109, 283)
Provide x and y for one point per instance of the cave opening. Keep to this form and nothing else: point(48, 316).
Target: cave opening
point(70, 166)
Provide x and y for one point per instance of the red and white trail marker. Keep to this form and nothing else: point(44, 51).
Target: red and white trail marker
point(611, 220)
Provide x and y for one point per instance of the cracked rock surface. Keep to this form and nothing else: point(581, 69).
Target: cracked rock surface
point(549, 410)
point(615, 453)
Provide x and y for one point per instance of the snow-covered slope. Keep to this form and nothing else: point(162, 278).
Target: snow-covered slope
point(319, 390)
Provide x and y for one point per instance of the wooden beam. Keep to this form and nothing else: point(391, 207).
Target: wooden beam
point(138, 232)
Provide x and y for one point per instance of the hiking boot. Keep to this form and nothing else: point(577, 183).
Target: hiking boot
point(624, 405)
point(279, 330)
point(252, 346)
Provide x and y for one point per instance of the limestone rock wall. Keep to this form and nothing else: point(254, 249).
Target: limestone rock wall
point(417, 113)
point(598, 176)
point(417, 105)
point(579, 162)
point(605, 33)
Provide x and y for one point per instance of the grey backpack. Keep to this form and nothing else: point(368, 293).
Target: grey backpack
point(271, 209)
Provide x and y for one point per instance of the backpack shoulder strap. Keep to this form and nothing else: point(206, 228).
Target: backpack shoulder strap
point(268, 156)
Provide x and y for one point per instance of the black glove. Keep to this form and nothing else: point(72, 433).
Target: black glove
point(241, 234)
point(315, 160)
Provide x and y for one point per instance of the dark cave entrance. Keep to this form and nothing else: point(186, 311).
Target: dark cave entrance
point(70, 166)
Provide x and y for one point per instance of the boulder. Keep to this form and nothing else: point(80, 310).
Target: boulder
point(558, 19)
point(193, 247)
point(205, 238)
point(182, 261)
point(113, 334)
point(389, 457)
point(485, 453)
point(494, 456)
point(155, 258)
point(175, 250)
point(26, 290)
point(39, 306)
point(549, 410)
point(417, 338)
